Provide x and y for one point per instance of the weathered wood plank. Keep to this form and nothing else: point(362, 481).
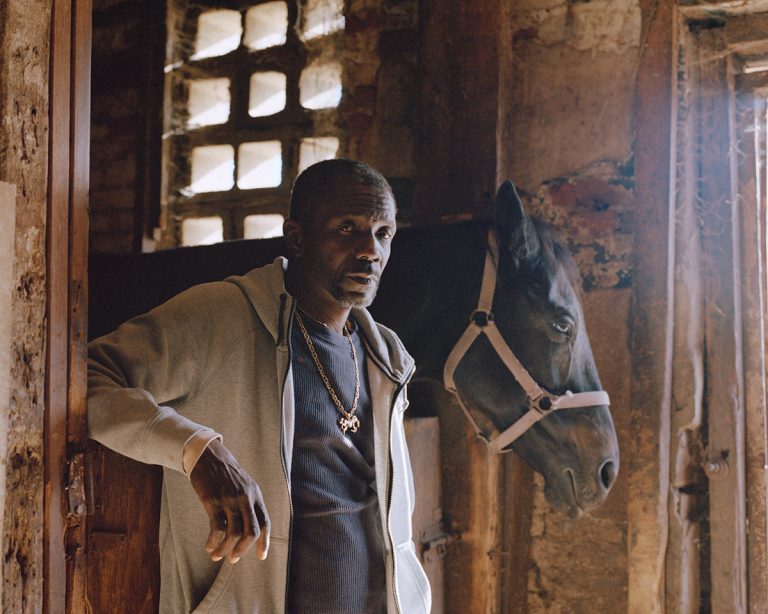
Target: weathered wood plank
point(724, 405)
point(458, 92)
point(650, 322)
point(57, 273)
point(423, 437)
point(751, 147)
point(125, 570)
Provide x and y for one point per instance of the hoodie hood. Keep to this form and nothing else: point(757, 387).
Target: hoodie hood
point(265, 289)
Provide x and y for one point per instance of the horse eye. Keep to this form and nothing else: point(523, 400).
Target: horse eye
point(562, 327)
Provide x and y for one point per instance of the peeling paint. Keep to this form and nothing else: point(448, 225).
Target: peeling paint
point(592, 212)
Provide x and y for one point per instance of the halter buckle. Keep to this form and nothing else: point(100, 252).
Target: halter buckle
point(481, 318)
point(544, 403)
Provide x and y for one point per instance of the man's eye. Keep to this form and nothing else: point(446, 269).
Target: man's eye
point(346, 227)
point(385, 233)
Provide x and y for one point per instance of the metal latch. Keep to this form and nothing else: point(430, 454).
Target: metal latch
point(76, 486)
point(434, 542)
point(80, 487)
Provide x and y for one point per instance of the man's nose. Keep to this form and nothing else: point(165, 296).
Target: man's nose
point(367, 248)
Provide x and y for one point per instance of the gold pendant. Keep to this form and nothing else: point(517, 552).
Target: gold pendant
point(351, 424)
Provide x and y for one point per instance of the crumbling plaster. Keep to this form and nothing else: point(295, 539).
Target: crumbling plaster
point(24, 49)
point(597, 26)
point(571, 75)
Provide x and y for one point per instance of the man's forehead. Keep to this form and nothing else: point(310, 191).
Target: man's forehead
point(368, 201)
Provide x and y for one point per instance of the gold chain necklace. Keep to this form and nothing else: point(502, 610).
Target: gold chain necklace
point(348, 420)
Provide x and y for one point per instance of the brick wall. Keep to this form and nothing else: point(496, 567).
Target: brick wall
point(128, 42)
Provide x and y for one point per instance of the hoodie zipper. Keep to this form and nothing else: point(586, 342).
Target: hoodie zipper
point(282, 436)
point(398, 390)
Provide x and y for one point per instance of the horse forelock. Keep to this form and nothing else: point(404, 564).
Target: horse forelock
point(554, 256)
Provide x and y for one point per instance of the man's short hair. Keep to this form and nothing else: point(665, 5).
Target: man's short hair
point(321, 179)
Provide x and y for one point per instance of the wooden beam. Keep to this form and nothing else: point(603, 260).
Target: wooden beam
point(650, 312)
point(80, 123)
point(457, 158)
point(54, 572)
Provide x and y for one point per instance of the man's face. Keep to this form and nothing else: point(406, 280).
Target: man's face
point(346, 243)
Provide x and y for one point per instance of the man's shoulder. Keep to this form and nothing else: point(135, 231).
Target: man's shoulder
point(386, 345)
point(235, 291)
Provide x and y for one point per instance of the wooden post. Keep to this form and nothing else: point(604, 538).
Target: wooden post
point(650, 324)
point(66, 255)
point(459, 85)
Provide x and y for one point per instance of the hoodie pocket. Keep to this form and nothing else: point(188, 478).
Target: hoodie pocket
point(217, 590)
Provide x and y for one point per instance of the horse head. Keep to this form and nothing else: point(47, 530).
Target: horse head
point(543, 392)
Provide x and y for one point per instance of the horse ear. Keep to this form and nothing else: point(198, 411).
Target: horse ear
point(517, 234)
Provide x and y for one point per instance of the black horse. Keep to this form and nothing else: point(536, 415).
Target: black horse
point(428, 293)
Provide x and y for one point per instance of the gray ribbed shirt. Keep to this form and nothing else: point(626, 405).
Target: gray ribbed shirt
point(337, 550)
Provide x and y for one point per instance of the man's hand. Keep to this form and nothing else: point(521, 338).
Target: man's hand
point(234, 505)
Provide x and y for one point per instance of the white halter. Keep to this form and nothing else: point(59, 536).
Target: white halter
point(541, 403)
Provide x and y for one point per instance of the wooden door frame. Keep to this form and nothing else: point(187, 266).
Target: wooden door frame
point(65, 428)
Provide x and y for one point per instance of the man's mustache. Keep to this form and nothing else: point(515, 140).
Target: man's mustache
point(365, 268)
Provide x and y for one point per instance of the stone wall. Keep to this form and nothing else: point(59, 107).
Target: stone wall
point(24, 57)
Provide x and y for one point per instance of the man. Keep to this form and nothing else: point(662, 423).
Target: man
point(275, 401)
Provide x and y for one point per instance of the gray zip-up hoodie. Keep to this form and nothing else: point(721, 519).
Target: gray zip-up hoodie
point(217, 358)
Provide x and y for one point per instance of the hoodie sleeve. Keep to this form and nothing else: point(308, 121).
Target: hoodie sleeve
point(141, 375)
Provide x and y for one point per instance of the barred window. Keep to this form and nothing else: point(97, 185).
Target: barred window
point(251, 96)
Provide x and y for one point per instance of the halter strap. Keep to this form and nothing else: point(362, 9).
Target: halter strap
point(540, 402)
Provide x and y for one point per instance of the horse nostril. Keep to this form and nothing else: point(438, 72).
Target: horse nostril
point(607, 474)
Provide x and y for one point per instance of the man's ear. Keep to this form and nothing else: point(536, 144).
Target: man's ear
point(517, 234)
point(294, 237)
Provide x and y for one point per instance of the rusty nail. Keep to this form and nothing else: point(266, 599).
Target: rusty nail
point(716, 469)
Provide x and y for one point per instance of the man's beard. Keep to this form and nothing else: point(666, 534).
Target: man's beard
point(345, 298)
point(349, 299)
